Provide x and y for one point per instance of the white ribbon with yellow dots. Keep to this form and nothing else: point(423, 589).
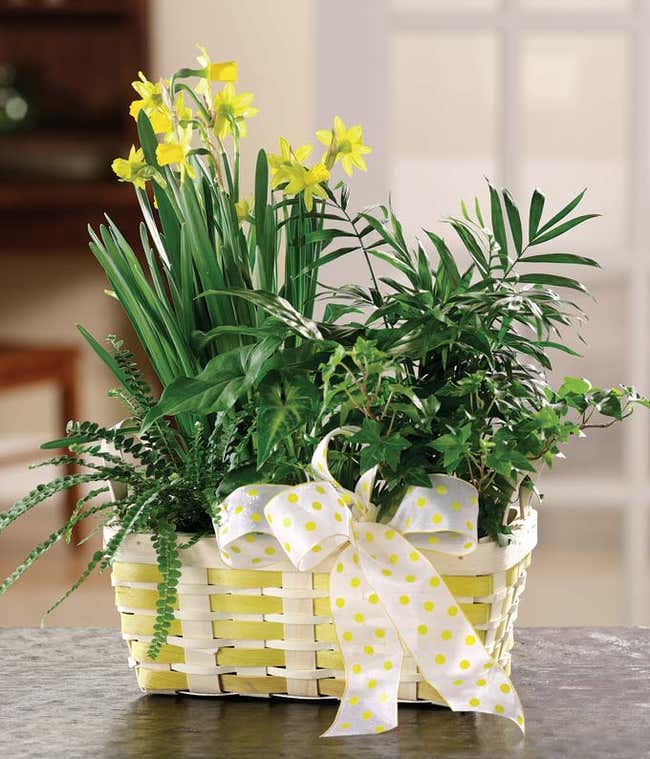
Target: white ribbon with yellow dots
point(382, 588)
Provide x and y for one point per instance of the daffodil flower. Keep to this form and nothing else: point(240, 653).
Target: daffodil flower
point(151, 103)
point(307, 181)
point(286, 158)
point(243, 208)
point(231, 108)
point(176, 150)
point(226, 71)
point(345, 145)
point(133, 169)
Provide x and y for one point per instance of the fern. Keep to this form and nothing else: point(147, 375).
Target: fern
point(169, 565)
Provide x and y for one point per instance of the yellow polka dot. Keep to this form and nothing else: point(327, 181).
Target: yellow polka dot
point(428, 606)
point(239, 509)
point(356, 668)
point(368, 650)
point(489, 665)
point(457, 682)
point(316, 549)
point(452, 611)
point(446, 634)
point(388, 665)
point(225, 554)
point(380, 632)
point(257, 561)
point(339, 567)
point(464, 664)
point(320, 489)
point(498, 708)
point(470, 640)
point(369, 537)
point(505, 688)
point(345, 726)
point(366, 715)
point(256, 518)
point(393, 558)
point(287, 547)
point(441, 489)
point(383, 698)
point(389, 534)
point(355, 582)
point(386, 572)
point(316, 505)
point(520, 720)
point(421, 502)
point(270, 551)
point(410, 578)
point(270, 518)
point(340, 602)
point(353, 700)
point(252, 493)
point(340, 502)
point(481, 682)
point(249, 538)
point(347, 499)
point(286, 522)
point(310, 526)
point(292, 497)
point(372, 684)
point(347, 636)
point(358, 617)
point(422, 629)
point(469, 525)
point(468, 545)
point(474, 702)
point(224, 530)
point(234, 549)
point(379, 729)
point(407, 522)
point(456, 506)
point(373, 598)
point(434, 582)
point(436, 518)
point(404, 600)
point(338, 517)
point(440, 659)
point(433, 539)
point(414, 556)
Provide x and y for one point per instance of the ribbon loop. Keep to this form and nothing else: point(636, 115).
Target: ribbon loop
point(384, 592)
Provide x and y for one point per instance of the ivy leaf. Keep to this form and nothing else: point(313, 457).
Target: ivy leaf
point(285, 404)
point(453, 446)
point(378, 449)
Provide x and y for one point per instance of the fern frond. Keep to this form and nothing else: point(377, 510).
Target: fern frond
point(169, 565)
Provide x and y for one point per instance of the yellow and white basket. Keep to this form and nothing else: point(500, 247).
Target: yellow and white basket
point(270, 631)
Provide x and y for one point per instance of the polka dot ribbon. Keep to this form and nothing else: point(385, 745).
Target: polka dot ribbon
point(382, 588)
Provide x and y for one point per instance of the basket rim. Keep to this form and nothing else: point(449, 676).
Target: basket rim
point(488, 558)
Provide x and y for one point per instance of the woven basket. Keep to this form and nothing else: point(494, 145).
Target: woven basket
point(270, 632)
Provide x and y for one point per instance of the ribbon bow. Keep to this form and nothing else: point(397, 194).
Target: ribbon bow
point(382, 588)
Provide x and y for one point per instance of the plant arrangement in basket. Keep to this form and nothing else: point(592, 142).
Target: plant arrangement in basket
point(436, 367)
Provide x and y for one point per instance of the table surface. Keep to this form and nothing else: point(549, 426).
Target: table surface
point(68, 693)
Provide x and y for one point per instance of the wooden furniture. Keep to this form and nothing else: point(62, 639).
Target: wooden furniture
point(67, 692)
point(74, 61)
point(22, 366)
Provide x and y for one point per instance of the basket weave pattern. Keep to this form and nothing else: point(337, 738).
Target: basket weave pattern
point(262, 632)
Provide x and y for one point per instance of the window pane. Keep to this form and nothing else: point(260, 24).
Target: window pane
point(443, 129)
point(575, 114)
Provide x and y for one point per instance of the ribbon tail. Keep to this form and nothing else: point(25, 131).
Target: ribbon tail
point(447, 649)
point(372, 653)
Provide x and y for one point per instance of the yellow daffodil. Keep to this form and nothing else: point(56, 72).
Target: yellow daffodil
point(151, 103)
point(286, 158)
point(133, 169)
point(231, 108)
point(183, 112)
point(243, 208)
point(226, 71)
point(345, 145)
point(176, 150)
point(307, 181)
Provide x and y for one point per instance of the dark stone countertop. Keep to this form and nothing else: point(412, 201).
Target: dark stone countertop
point(68, 693)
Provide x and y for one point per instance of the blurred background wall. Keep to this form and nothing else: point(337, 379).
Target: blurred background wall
point(544, 93)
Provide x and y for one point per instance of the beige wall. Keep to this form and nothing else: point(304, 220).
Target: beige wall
point(43, 297)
